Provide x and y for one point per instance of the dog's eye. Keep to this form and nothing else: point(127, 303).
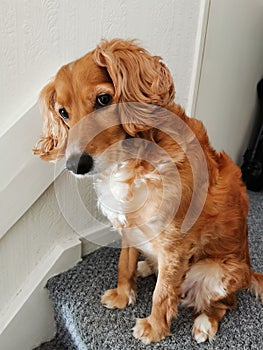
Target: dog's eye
point(64, 114)
point(103, 100)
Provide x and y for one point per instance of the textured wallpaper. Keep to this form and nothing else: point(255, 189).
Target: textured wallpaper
point(38, 36)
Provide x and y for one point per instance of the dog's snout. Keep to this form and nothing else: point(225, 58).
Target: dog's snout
point(80, 163)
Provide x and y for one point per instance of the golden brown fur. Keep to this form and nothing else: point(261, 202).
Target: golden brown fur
point(208, 264)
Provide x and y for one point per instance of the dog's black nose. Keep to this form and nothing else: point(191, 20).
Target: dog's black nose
point(80, 163)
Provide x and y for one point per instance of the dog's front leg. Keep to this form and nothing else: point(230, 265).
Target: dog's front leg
point(164, 304)
point(125, 293)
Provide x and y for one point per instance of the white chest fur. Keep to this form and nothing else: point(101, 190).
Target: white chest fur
point(125, 194)
point(139, 198)
point(128, 197)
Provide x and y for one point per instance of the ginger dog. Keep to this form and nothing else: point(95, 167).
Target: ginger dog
point(112, 113)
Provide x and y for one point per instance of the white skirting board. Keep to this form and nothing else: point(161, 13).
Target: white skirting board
point(28, 320)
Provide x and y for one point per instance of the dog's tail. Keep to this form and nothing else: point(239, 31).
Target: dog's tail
point(257, 285)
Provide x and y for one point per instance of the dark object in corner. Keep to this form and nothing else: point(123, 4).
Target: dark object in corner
point(252, 167)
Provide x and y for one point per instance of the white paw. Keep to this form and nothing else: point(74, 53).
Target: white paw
point(204, 329)
point(144, 269)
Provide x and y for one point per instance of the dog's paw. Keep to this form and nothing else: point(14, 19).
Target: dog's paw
point(144, 269)
point(118, 298)
point(204, 328)
point(149, 332)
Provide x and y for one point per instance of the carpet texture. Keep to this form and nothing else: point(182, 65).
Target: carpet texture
point(83, 323)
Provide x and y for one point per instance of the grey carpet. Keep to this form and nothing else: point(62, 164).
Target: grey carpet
point(83, 323)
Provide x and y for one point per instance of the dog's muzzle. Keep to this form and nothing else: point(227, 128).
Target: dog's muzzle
point(80, 164)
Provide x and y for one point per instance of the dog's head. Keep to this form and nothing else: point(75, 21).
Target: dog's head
point(115, 73)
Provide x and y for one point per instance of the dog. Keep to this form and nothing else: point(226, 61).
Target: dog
point(173, 198)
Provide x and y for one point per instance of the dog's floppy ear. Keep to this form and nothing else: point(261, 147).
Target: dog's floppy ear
point(51, 145)
point(137, 77)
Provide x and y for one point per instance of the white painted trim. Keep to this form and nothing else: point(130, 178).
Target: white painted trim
point(23, 176)
point(198, 56)
point(28, 319)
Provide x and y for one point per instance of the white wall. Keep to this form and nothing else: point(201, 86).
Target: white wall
point(232, 66)
point(37, 37)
